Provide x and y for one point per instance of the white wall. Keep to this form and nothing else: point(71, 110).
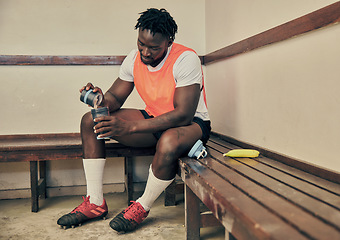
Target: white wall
point(284, 96)
point(45, 99)
point(78, 27)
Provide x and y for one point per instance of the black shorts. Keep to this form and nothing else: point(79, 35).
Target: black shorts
point(204, 125)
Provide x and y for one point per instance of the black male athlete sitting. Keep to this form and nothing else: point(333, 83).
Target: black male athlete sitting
point(168, 77)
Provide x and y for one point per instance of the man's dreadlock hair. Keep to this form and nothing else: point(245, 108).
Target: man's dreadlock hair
point(157, 21)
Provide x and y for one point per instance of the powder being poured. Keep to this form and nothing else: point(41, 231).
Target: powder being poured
point(97, 101)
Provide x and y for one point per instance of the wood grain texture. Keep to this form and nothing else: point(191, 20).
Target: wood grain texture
point(60, 60)
point(45, 60)
point(260, 198)
point(40, 147)
point(287, 160)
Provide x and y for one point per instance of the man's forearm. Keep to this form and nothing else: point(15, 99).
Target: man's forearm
point(111, 102)
point(185, 105)
point(165, 121)
point(116, 95)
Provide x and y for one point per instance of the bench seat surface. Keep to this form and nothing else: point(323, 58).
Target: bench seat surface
point(39, 141)
point(260, 198)
point(41, 147)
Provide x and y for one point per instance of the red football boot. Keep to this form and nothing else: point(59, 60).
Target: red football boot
point(130, 218)
point(84, 212)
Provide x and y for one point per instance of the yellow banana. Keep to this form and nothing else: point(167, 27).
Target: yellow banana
point(242, 153)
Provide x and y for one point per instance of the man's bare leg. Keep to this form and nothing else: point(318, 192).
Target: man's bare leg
point(94, 150)
point(172, 144)
point(94, 205)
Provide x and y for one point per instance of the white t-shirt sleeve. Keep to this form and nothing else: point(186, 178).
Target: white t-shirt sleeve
point(187, 69)
point(126, 69)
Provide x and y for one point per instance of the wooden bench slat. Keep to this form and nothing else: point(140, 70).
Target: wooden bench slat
point(332, 187)
point(40, 147)
point(302, 199)
point(232, 207)
point(316, 191)
point(307, 188)
point(322, 172)
point(297, 173)
point(42, 141)
point(315, 188)
point(294, 215)
point(303, 176)
point(40, 155)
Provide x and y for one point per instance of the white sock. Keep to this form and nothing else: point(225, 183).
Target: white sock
point(154, 188)
point(94, 169)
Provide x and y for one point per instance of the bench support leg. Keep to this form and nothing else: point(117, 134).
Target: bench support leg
point(42, 179)
point(129, 178)
point(192, 215)
point(34, 186)
point(170, 195)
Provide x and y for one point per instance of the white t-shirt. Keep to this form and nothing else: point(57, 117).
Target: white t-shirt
point(186, 71)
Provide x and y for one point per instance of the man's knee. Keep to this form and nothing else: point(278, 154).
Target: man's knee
point(168, 144)
point(86, 121)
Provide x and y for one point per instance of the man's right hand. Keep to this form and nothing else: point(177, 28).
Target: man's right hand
point(95, 89)
point(90, 86)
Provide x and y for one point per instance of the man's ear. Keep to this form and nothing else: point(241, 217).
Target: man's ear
point(170, 43)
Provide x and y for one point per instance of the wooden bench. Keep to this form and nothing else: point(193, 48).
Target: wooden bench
point(259, 198)
point(39, 148)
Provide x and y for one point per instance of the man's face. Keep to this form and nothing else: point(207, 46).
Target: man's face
point(152, 47)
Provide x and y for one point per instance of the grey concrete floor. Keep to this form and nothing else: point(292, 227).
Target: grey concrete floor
point(18, 222)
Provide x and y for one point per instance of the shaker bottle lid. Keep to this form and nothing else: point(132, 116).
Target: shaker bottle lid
point(91, 98)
